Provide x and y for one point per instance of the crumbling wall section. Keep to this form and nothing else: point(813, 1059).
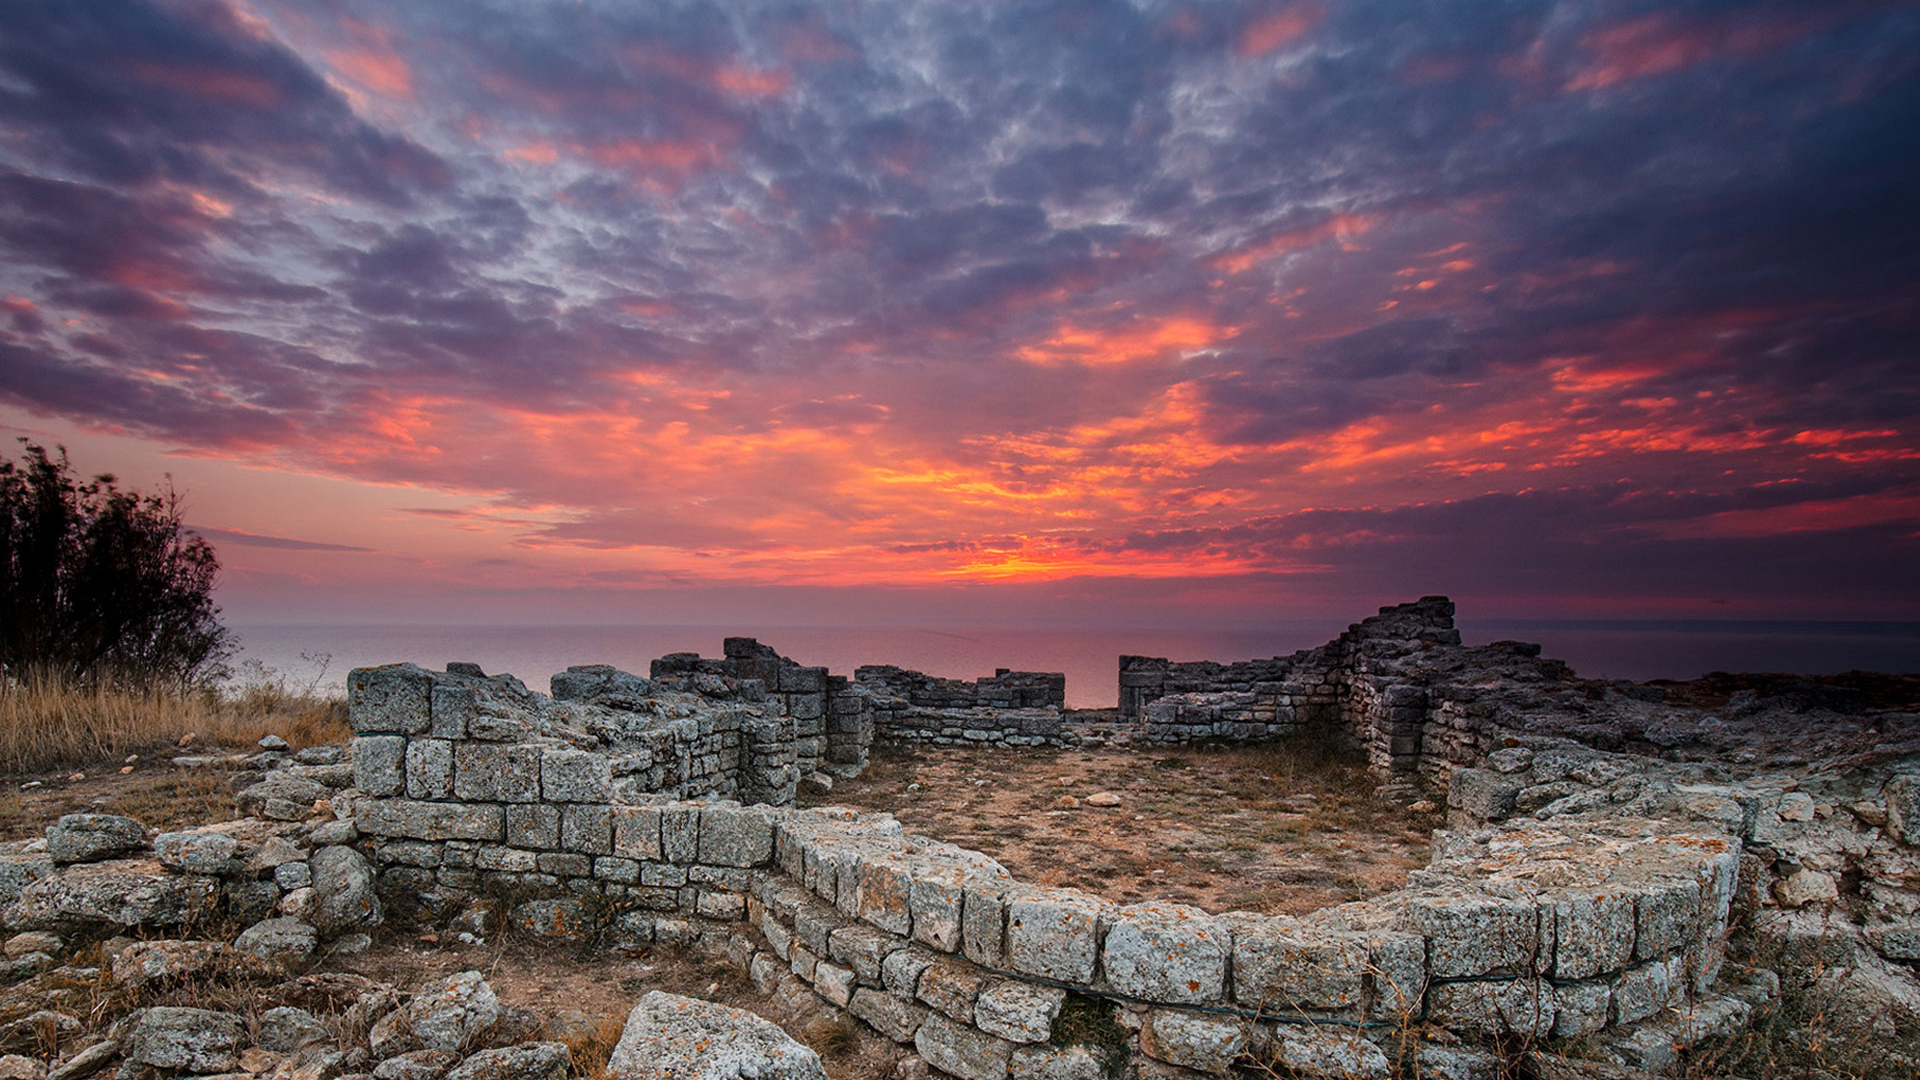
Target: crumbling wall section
point(832, 721)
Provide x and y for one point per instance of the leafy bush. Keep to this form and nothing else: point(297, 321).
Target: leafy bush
point(99, 584)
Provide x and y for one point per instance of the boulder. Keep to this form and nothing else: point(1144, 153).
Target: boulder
point(343, 895)
point(278, 939)
point(281, 798)
point(193, 1040)
point(15, 1067)
point(527, 1061)
point(195, 851)
point(87, 1062)
point(445, 1015)
point(416, 1065)
point(669, 1037)
point(128, 892)
point(154, 963)
point(286, 1029)
point(79, 838)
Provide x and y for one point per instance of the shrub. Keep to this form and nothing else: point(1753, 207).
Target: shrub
point(101, 584)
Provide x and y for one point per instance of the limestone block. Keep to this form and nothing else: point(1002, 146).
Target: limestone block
point(429, 769)
point(1054, 933)
point(984, 921)
point(900, 971)
point(1471, 933)
point(735, 836)
point(680, 833)
point(884, 896)
point(1167, 952)
point(127, 892)
point(1581, 1008)
point(961, 1050)
point(714, 904)
point(1396, 975)
point(1593, 931)
point(497, 772)
point(392, 699)
point(1282, 967)
point(862, 948)
point(563, 864)
point(568, 775)
point(453, 705)
point(430, 820)
point(1207, 1043)
point(1330, 1052)
point(533, 825)
point(834, 982)
point(1516, 1007)
point(1642, 990)
point(890, 1016)
point(78, 838)
point(1044, 1062)
point(636, 832)
point(379, 764)
point(1667, 918)
point(195, 851)
point(951, 988)
point(936, 898)
point(1806, 887)
point(19, 871)
point(587, 828)
point(1482, 794)
point(616, 870)
point(197, 1041)
point(506, 860)
point(1020, 1012)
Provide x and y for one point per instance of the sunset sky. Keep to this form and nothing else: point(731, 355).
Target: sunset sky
point(981, 311)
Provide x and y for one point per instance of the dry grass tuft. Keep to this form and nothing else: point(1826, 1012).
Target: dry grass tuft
point(590, 1050)
point(46, 723)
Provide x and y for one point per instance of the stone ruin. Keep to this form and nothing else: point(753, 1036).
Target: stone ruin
point(1630, 871)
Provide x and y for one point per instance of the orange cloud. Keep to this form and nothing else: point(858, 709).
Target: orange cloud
point(1278, 28)
point(1342, 227)
point(1139, 339)
point(234, 87)
point(1660, 43)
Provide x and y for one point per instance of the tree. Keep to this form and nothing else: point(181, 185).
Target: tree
point(98, 583)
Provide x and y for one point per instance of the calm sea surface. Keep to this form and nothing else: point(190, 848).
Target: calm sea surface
point(1627, 650)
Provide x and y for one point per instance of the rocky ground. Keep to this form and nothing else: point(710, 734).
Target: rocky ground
point(1279, 829)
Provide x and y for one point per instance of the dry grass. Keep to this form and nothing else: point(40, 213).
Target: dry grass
point(48, 724)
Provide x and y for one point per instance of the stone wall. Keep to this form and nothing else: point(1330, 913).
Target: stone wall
point(1003, 689)
point(832, 722)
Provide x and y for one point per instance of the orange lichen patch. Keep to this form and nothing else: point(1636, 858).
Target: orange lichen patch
point(1134, 340)
point(1342, 227)
point(1278, 28)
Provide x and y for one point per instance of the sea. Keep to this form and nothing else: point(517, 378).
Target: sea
point(318, 656)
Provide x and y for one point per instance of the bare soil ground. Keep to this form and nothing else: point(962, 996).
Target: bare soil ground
point(1276, 829)
point(155, 792)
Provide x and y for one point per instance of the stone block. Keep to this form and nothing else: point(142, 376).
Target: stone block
point(505, 859)
point(884, 896)
point(636, 832)
point(568, 775)
point(984, 922)
point(454, 704)
point(715, 904)
point(497, 772)
point(900, 972)
point(1020, 1012)
point(195, 851)
point(936, 898)
point(735, 836)
point(1396, 976)
point(587, 828)
point(890, 1016)
point(1207, 1043)
point(564, 864)
point(1471, 934)
point(1593, 931)
point(1516, 1007)
point(394, 699)
point(1054, 933)
point(680, 833)
point(429, 769)
point(1580, 1009)
point(833, 982)
point(379, 765)
point(1058, 1063)
point(1330, 1052)
point(429, 820)
point(616, 870)
point(961, 1050)
point(951, 988)
point(1167, 952)
point(533, 825)
point(1643, 990)
point(1668, 917)
point(1281, 967)
point(863, 949)
point(1903, 808)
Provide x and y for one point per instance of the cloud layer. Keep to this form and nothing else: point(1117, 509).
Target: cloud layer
point(1581, 303)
